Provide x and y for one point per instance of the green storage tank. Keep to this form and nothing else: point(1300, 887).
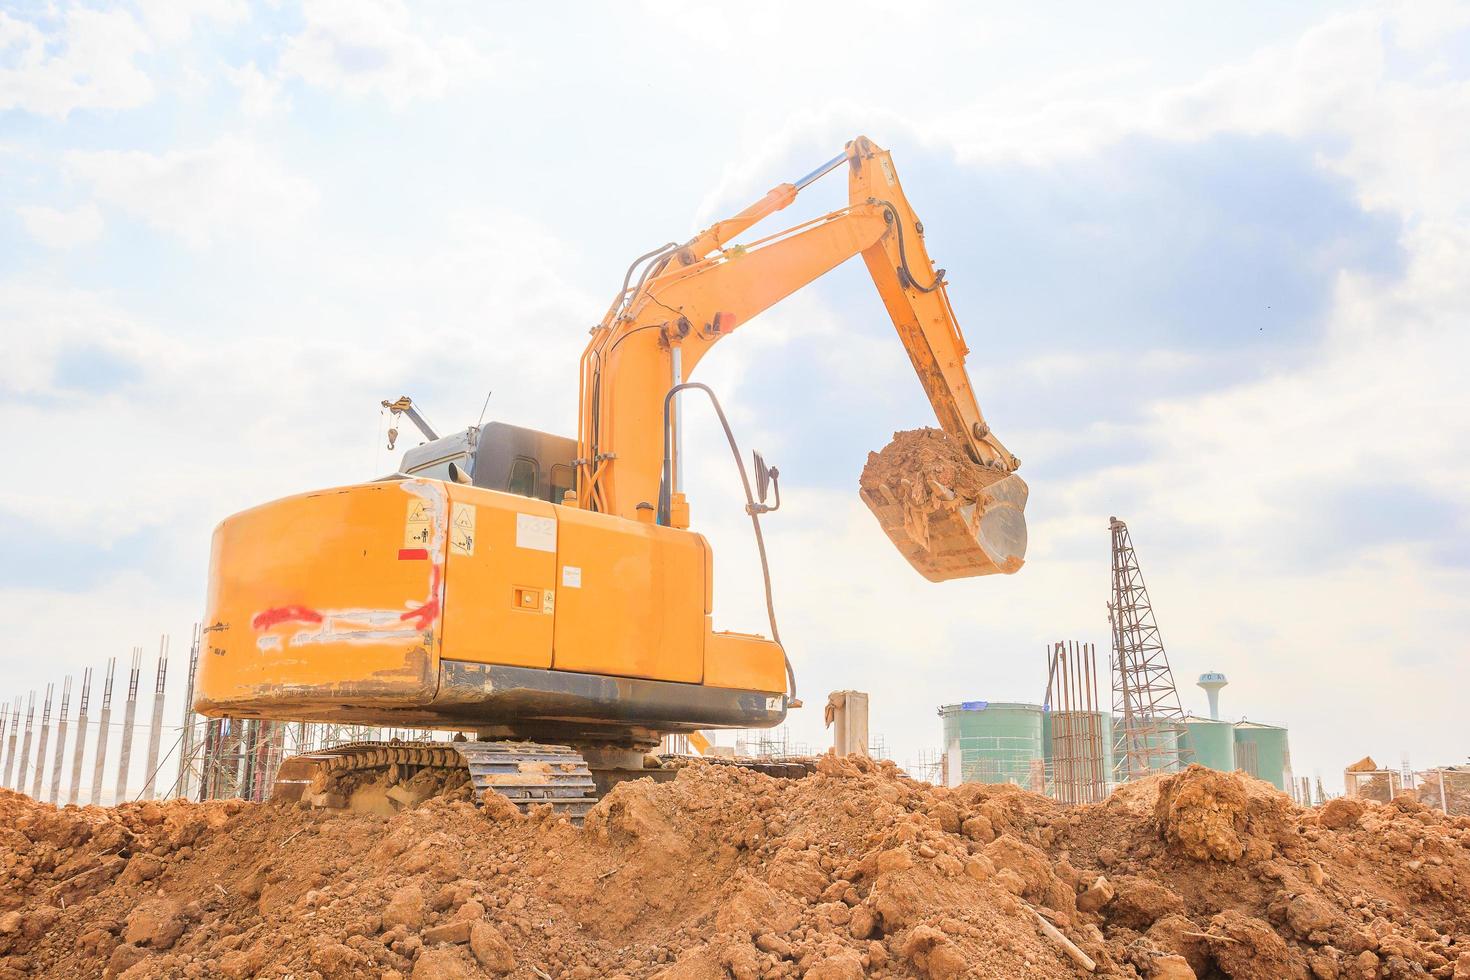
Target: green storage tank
point(1261, 750)
point(1160, 749)
point(998, 741)
point(1210, 742)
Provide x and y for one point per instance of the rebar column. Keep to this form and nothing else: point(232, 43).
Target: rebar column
point(60, 742)
point(155, 725)
point(186, 739)
point(25, 745)
point(100, 756)
point(130, 716)
point(7, 716)
point(41, 746)
point(81, 740)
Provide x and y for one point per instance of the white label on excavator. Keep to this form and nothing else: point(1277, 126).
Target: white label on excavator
point(536, 533)
point(462, 530)
point(887, 171)
point(571, 577)
point(416, 527)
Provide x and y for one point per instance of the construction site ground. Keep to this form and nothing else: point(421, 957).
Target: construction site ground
point(854, 871)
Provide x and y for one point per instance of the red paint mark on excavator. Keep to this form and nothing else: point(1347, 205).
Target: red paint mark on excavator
point(425, 615)
point(285, 614)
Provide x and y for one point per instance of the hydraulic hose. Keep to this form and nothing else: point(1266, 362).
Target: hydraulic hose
point(665, 501)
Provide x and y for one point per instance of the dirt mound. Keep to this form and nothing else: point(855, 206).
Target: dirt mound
point(920, 464)
point(855, 871)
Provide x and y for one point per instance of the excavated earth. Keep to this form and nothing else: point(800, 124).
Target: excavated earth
point(723, 872)
point(915, 460)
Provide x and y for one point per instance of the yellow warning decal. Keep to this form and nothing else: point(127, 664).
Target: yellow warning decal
point(416, 528)
point(462, 529)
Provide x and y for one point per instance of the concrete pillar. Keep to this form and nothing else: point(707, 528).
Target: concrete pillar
point(13, 718)
point(25, 745)
point(130, 716)
point(186, 739)
point(847, 715)
point(55, 793)
point(99, 761)
point(41, 748)
point(155, 725)
point(81, 740)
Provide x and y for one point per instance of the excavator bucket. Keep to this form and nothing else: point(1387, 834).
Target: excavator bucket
point(948, 517)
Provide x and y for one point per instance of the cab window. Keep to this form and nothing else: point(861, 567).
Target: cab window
point(522, 477)
point(561, 481)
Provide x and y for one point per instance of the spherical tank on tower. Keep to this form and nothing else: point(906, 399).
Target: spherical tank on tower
point(1212, 681)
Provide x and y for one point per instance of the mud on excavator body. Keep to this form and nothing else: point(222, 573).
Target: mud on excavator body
point(425, 604)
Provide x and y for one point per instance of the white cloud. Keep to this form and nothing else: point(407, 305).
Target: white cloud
point(56, 228)
point(172, 21)
point(88, 62)
point(260, 94)
point(229, 187)
point(372, 47)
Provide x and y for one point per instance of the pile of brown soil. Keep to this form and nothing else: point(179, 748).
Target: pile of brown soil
point(724, 872)
point(921, 464)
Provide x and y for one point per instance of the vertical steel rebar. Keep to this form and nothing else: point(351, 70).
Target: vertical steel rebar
point(187, 763)
point(55, 793)
point(41, 746)
point(8, 737)
point(81, 740)
point(130, 716)
point(155, 725)
point(99, 757)
point(25, 747)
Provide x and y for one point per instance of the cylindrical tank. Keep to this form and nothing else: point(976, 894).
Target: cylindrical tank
point(1266, 744)
point(999, 742)
point(1158, 751)
point(1210, 743)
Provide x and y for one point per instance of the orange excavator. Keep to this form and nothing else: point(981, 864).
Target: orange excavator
point(545, 594)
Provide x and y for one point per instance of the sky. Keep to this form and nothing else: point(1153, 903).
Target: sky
point(1211, 266)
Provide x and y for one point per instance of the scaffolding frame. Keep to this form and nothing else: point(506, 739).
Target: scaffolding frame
point(1145, 698)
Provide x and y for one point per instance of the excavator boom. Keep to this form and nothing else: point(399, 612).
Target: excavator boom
point(691, 296)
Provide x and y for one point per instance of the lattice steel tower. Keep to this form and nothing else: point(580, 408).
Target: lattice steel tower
point(1147, 718)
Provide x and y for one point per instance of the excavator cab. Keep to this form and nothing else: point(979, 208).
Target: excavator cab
point(499, 456)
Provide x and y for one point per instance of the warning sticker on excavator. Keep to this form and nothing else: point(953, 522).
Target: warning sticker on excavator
point(548, 604)
point(536, 533)
point(462, 530)
point(571, 576)
point(416, 528)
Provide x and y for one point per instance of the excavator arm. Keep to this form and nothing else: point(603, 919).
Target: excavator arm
point(688, 297)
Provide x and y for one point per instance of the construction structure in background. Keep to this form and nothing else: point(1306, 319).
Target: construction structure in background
point(1446, 788)
point(1147, 715)
point(993, 742)
point(1075, 728)
point(1367, 780)
point(155, 727)
point(847, 714)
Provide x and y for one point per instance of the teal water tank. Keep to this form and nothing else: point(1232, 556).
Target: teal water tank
point(1261, 750)
point(1210, 742)
point(999, 741)
point(1158, 750)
